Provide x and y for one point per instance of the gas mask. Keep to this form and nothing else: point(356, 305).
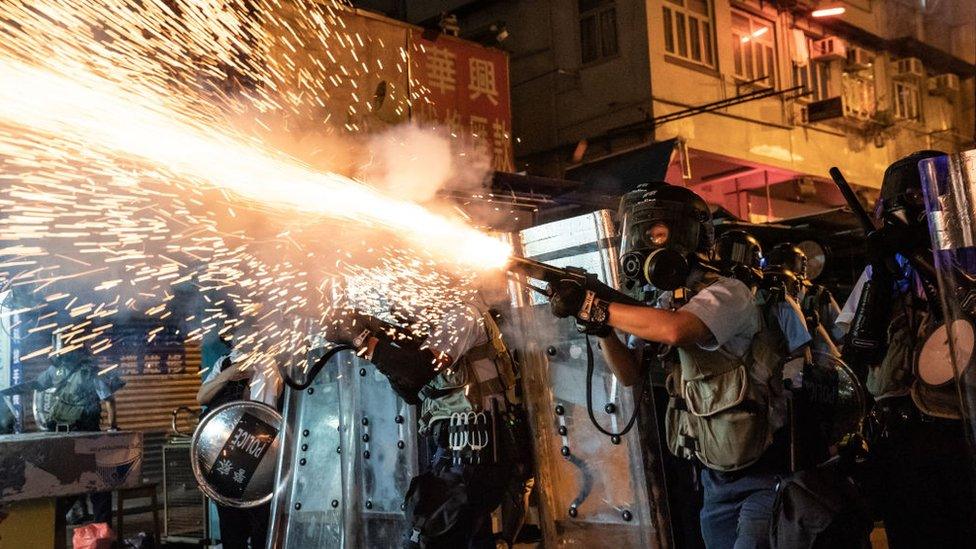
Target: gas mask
point(786, 256)
point(739, 255)
point(901, 202)
point(663, 231)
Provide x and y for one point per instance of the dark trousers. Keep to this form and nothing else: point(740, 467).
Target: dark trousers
point(101, 505)
point(238, 526)
point(920, 483)
point(738, 506)
point(683, 489)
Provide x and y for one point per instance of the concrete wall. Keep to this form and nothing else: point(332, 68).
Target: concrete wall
point(767, 131)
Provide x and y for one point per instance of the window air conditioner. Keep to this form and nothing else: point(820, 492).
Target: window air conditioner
point(859, 58)
point(828, 49)
point(944, 84)
point(909, 67)
point(835, 109)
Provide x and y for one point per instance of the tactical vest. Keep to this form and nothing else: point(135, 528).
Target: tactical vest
point(896, 374)
point(724, 409)
point(484, 371)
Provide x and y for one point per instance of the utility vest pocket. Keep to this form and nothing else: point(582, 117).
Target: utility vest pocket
point(715, 418)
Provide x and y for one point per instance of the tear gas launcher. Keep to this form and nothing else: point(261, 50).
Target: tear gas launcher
point(551, 275)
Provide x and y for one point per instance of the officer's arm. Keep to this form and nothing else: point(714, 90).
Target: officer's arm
point(209, 390)
point(678, 328)
point(621, 359)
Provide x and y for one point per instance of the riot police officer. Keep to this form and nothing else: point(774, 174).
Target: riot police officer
point(739, 255)
point(816, 301)
point(920, 470)
point(725, 409)
point(462, 377)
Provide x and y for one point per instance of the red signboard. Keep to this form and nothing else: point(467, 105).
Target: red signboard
point(465, 89)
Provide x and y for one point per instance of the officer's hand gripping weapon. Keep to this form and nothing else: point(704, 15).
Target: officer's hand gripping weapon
point(589, 282)
point(552, 275)
point(867, 339)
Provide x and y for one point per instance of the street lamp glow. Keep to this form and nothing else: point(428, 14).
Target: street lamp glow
point(756, 34)
point(828, 12)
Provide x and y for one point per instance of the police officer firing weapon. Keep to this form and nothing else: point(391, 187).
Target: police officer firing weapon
point(462, 377)
point(726, 391)
point(920, 469)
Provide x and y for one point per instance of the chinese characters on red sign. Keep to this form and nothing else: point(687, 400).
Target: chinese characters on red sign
point(467, 91)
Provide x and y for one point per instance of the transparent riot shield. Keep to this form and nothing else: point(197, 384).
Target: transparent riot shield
point(352, 453)
point(945, 359)
point(594, 491)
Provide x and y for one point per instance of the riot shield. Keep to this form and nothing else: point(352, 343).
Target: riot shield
point(232, 453)
point(946, 355)
point(594, 491)
point(351, 452)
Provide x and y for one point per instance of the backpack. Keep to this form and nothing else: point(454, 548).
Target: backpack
point(820, 508)
point(434, 504)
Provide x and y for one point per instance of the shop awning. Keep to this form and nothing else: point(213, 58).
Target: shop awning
point(619, 173)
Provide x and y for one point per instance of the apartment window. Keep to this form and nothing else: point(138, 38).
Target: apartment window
point(907, 102)
point(688, 30)
point(814, 76)
point(753, 49)
point(598, 30)
point(859, 96)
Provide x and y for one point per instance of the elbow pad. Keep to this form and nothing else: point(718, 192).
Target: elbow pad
point(408, 370)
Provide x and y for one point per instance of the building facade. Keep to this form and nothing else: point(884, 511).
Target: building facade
point(762, 97)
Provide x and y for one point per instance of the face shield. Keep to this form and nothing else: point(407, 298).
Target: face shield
point(739, 255)
point(658, 238)
point(907, 208)
point(901, 201)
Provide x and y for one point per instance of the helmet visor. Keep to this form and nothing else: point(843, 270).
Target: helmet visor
point(660, 224)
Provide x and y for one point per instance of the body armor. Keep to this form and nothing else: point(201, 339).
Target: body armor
point(724, 409)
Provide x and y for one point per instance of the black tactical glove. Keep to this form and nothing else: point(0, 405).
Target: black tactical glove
point(568, 298)
point(346, 328)
point(881, 246)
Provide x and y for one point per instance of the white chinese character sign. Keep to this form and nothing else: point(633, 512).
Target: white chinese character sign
point(465, 89)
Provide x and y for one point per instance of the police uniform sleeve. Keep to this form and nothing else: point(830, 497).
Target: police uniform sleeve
point(792, 323)
point(727, 308)
point(214, 370)
point(107, 385)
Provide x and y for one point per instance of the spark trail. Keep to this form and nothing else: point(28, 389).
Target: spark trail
point(140, 176)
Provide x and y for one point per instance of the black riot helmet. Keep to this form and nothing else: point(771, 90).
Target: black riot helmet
point(786, 256)
point(778, 279)
point(739, 255)
point(636, 195)
point(901, 198)
point(665, 231)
